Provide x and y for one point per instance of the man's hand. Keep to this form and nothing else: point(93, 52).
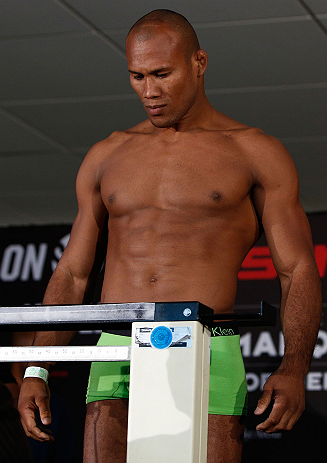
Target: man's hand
point(288, 394)
point(35, 396)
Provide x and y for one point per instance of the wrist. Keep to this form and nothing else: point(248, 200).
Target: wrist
point(37, 372)
point(45, 365)
point(294, 367)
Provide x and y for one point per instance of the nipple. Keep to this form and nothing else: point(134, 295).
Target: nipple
point(216, 196)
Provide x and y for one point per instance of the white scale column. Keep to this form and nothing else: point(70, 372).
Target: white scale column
point(169, 390)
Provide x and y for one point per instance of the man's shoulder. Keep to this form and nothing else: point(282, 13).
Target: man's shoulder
point(245, 133)
point(143, 127)
point(241, 133)
point(120, 137)
point(264, 154)
point(110, 143)
point(105, 148)
point(259, 145)
point(267, 157)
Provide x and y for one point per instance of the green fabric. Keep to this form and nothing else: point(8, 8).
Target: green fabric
point(109, 380)
point(227, 392)
point(228, 389)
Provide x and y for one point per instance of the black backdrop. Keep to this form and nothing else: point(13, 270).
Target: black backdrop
point(28, 256)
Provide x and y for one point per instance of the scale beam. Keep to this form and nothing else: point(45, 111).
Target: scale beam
point(99, 316)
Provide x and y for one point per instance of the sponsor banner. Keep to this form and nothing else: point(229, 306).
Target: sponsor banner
point(28, 256)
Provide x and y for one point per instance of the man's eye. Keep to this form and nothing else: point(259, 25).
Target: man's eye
point(138, 77)
point(162, 76)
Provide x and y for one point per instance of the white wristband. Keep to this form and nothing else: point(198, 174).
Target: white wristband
point(37, 372)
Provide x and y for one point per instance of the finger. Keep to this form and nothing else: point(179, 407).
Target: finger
point(31, 429)
point(263, 402)
point(291, 417)
point(45, 413)
point(41, 435)
point(277, 420)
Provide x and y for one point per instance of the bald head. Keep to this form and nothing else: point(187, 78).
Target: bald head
point(149, 25)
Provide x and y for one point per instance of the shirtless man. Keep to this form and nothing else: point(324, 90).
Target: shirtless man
point(182, 195)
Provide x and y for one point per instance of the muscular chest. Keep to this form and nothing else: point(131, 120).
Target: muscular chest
point(186, 176)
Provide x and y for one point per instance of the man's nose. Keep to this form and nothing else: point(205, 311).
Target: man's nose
point(151, 89)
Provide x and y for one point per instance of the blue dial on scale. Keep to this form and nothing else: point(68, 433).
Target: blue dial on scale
point(161, 337)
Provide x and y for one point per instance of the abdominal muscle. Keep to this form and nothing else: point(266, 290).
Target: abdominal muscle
point(170, 261)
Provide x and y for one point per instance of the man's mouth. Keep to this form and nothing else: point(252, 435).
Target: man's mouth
point(154, 110)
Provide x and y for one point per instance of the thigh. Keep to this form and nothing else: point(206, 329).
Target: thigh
point(228, 389)
point(105, 437)
point(109, 379)
point(225, 438)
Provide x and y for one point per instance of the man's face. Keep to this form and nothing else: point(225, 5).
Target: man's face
point(163, 77)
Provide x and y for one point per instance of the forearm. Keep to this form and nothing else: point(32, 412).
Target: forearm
point(51, 338)
point(300, 316)
point(63, 288)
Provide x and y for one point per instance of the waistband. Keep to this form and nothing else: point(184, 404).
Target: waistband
point(224, 329)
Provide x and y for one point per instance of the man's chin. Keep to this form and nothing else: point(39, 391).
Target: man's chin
point(161, 123)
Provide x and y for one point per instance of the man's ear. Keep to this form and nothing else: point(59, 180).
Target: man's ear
point(202, 62)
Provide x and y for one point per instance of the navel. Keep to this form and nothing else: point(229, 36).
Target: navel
point(153, 279)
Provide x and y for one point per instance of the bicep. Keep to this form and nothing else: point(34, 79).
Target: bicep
point(87, 243)
point(276, 198)
point(288, 236)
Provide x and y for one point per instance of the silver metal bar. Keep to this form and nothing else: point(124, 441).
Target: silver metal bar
point(99, 313)
point(65, 354)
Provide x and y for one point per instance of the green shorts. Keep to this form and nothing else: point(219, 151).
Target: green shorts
point(227, 391)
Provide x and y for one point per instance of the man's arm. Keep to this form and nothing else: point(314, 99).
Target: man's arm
point(71, 283)
point(289, 239)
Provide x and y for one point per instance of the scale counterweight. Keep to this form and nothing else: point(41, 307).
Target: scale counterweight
point(65, 354)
